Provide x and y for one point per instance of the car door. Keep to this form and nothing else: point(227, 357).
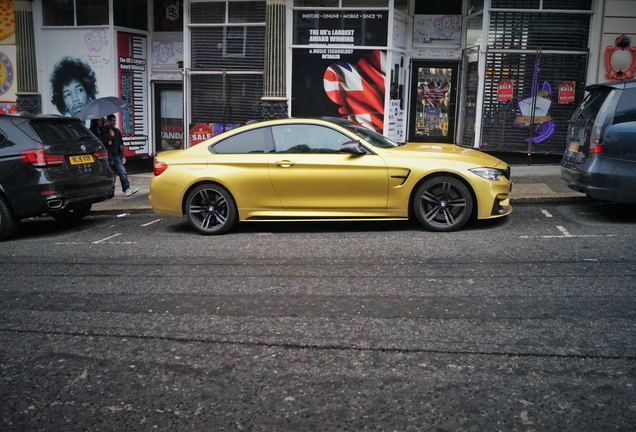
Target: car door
point(309, 172)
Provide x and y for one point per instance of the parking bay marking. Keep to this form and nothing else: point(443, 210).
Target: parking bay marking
point(107, 238)
point(566, 234)
point(546, 213)
point(150, 223)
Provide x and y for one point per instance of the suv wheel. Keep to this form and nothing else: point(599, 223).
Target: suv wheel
point(7, 222)
point(72, 215)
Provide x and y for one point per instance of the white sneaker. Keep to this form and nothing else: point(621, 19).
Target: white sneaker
point(129, 191)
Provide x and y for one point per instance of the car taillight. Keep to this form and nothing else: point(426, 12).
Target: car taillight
point(160, 167)
point(39, 159)
point(101, 154)
point(604, 118)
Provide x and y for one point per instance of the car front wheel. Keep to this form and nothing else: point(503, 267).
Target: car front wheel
point(210, 209)
point(443, 203)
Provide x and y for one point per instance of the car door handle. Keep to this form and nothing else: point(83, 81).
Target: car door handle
point(285, 163)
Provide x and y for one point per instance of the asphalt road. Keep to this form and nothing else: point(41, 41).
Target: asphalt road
point(135, 322)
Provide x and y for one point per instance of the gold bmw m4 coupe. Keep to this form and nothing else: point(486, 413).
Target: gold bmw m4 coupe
point(326, 169)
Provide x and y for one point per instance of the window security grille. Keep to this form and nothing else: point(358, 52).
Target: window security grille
point(226, 98)
point(498, 117)
point(547, 4)
point(526, 30)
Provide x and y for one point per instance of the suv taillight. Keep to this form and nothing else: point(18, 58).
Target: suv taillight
point(39, 159)
point(101, 154)
point(160, 167)
point(602, 121)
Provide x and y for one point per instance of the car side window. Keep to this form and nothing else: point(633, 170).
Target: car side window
point(626, 108)
point(306, 138)
point(252, 141)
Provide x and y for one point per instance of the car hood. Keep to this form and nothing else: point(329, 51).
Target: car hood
point(446, 152)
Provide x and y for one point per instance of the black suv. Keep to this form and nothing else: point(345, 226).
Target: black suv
point(49, 164)
point(600, 159)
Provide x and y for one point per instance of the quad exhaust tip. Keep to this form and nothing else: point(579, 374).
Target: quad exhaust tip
point(54, 203)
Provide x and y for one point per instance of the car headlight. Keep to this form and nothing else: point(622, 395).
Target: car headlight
point(489, 173)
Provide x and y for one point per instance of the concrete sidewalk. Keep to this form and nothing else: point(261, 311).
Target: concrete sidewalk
point(531, 184)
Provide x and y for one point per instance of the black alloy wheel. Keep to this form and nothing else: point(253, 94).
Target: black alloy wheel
point(8, 224)
point(72, 215)
point(210, 209)
point(443, 203)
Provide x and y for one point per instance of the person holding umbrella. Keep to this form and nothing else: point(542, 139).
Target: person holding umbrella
point(115, 147)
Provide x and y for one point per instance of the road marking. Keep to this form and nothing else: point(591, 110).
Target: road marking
point(546, 213)
point(123, 215)
point(107, 238)
point(151, 222)
point(564, 231)
point(574, 236)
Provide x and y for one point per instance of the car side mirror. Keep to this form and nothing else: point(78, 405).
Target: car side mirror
point(353, 148)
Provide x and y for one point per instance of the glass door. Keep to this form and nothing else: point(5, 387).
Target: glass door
point(168, 117)
point(433, 101)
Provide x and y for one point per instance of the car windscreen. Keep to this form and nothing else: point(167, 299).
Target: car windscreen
point(370, 136)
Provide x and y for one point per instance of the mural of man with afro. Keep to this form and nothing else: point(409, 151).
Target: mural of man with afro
point(73, 85)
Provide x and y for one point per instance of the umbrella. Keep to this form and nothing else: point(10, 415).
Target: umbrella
point(102, 107)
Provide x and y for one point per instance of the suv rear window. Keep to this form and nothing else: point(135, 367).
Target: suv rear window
point(583, 118)
point(52, 132)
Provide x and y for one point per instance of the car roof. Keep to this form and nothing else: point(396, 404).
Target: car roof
point(29, 116)
point(613, 84)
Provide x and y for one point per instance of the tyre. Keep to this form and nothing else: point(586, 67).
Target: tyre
point(443, 203)
point(8, 224)
point(72, 215)
point(210, 209)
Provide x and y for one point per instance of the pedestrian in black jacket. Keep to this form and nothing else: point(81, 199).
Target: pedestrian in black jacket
point(115, 147)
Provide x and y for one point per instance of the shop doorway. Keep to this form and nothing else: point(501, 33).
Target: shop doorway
point(168, 116)
point(433, 101)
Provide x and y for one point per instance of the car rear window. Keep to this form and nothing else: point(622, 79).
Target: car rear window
point(54, 132)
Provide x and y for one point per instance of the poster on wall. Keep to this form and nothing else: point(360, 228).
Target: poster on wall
point(77, 67)
point(352, 85)
point(7, 22)
point(132, 73)
point(8, 72)
point(360, 28)
point(8, 79)
point(200, 132)
point(437, 30)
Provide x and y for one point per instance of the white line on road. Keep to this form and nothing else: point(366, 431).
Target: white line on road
point(569, 236)
point(123, 215)
point(151, 222)
point(546, 213)
point(564, 231)
point(107, 238)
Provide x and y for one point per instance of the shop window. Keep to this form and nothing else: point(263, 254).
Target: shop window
point(365, 3)
point(402, 6)
point(568, 4)
point(71, 13)
point(438, 7)
point(246, 11)
point(168, 15)
point(243, 50)
point(131, 13)
point(316, 3)
point(234, 42)
point(515, 4)
point(475, 6)
point(207, 12)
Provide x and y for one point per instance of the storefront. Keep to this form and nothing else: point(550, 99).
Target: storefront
point(500, 75)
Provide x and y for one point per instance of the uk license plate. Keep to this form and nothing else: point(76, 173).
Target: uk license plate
point(574, 147)
point(81, 159)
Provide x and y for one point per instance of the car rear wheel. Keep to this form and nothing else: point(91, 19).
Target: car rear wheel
point(72, 215)
point(443, 203)
point(210, 209)
point(8, 223)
